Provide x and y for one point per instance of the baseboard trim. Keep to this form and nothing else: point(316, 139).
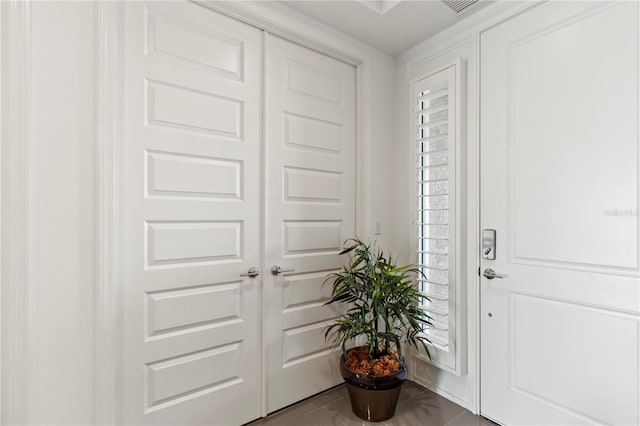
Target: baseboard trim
point(443, 393)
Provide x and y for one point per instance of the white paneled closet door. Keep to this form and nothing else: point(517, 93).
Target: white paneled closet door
point(190, 217)
point(194, 328)
point(310, 211)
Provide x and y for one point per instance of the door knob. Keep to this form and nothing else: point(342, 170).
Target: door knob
point(252, 272)
point(276, 270)
point(491, 274)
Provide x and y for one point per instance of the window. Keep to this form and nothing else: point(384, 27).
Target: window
point(437, 222)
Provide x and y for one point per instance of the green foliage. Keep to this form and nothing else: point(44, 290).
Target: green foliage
point(382, 302)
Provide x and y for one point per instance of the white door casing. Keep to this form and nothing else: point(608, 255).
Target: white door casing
point(310, 211)
point(559, 183)
point(190, 216)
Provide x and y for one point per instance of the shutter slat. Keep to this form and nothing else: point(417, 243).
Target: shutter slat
point(431, 110)
point(433, 180)
point(435, 151)
point(440, 325)
point(432, 138)
point(432, 167)
point(432, 252)
point(433, 195)
point(433, 266)
point(437, 341)
point(434, 310)
point(439, 268)
point(433, 123)
point(433, 94)
point(431, 281)
point(431, 295)
point(432, 238)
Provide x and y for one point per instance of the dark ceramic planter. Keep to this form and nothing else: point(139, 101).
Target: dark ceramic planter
point(373, 398)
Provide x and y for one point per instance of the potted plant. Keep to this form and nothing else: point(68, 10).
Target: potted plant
point(382, 311)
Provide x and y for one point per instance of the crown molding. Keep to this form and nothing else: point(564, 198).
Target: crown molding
point(300, 30)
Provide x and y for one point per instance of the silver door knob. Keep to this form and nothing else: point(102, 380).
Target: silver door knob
point(252, 272)
point(276, 270)
point(491, 274)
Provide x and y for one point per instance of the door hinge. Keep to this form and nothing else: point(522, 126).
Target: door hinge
point(478, 271)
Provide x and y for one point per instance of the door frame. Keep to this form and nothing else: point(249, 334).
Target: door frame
point(109, 23)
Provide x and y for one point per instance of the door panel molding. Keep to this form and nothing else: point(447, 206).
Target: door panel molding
point(589, 257)
point(565, 332)
point(158, 45)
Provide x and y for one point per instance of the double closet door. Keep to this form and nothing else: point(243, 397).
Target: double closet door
point(228, 172)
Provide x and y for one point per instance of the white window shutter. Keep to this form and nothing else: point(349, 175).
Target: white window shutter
point(436, 108)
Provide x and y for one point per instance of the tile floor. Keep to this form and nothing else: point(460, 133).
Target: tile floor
point(416, 406)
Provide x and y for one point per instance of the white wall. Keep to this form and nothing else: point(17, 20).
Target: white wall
point(57, 174)
point(60, 211)
point(59, 232)
point(460, 41)
point(377, 172)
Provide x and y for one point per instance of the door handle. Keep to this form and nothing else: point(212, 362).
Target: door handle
point(491, 274)
point(277, 270)
point(252, 272)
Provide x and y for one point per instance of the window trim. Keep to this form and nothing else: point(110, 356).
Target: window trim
point(454, 360)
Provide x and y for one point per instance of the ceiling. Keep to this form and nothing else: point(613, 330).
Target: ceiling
point(392, 26)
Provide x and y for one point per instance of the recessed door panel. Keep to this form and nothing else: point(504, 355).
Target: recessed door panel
point(176, 310)
point(175, 175)
point(203, 46)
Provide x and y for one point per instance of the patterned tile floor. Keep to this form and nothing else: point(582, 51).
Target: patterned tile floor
point(416, 406)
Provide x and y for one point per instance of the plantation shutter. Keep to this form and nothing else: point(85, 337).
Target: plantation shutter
point(435, 207)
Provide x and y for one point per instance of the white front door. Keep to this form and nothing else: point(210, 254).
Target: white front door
point(190, 217)
point(309, 212)
point(559, 183)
